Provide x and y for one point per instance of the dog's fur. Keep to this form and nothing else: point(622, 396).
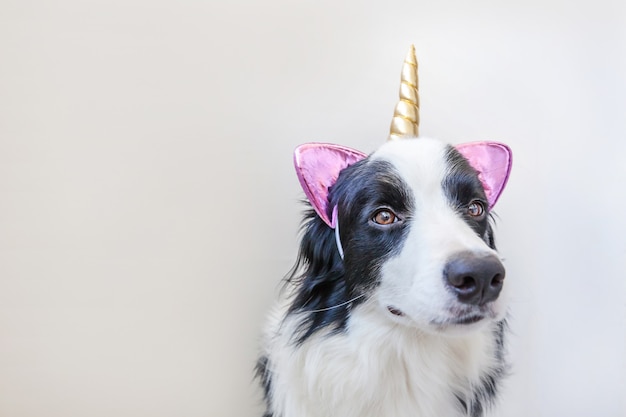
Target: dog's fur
point(380, 333)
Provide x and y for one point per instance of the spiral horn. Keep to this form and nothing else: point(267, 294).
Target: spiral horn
point(406, 118)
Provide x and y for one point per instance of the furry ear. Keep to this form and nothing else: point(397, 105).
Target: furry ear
point(318, 166)
point(493, 161)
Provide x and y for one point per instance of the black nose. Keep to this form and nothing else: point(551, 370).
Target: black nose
point(474, 279)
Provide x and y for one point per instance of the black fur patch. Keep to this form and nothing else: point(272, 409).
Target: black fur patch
point(328, 286)
point(485, 394)
point(265, 376)
point(462, 186)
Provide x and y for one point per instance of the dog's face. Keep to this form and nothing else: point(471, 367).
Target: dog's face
point(414, 226)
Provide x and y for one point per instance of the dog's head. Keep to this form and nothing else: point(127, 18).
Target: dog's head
point(409, 230)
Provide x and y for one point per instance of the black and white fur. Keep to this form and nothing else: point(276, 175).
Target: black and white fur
point(383, 332)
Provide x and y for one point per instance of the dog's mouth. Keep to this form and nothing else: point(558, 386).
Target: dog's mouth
point(475, 318)
point(459, 319)
point(458, 322)
point(469, 319)
point(468, 316)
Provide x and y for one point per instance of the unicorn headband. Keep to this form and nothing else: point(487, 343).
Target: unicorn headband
point(318, 164)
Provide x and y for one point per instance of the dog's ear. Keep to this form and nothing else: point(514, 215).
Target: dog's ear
point(493, 161)
point(318, 166)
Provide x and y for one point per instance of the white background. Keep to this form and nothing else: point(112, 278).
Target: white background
point(149, 209)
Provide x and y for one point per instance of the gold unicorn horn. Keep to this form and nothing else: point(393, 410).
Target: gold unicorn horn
point(406, 118)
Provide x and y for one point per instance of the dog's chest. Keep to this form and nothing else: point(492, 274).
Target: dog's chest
point(374, 370)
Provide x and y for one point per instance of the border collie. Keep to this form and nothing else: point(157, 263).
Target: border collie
point(396, 305)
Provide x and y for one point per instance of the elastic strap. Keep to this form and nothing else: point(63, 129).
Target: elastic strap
point(335, 222)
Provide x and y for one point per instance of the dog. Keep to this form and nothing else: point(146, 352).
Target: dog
point(396, 306)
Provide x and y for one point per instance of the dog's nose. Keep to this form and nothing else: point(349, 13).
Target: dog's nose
point(474, 279)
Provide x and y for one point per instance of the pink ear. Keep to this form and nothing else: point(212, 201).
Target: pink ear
point(493, 161)
point(318, 166)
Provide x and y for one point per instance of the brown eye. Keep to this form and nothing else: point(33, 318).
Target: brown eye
point(476, 209)
point(385, 217)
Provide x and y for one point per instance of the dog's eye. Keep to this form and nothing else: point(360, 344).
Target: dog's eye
point(385, 217)
point(476, 209)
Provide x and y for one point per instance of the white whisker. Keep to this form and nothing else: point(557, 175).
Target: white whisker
point(338, 305)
